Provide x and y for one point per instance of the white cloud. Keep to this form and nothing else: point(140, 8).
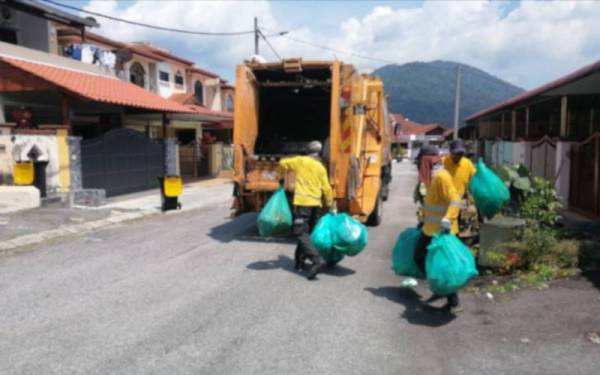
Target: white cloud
point(534, 43)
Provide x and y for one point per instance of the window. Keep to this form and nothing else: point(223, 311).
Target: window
point(199, 92)
point(8, 35)
point(163, 76)
point(229, 103)
point(178, 79)
point(137, 75)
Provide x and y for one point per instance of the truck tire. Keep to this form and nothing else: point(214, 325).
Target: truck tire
point(376, 216)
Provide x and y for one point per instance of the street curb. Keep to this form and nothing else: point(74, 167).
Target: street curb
point(35, 238)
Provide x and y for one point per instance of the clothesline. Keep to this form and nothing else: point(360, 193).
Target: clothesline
point(91, 54)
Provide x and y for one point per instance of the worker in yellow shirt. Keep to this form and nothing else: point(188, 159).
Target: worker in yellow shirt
point(311, 190)
point(441, 207)
point(460, 168)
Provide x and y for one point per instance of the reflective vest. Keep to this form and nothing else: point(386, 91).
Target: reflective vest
point(312, 184)
point(441, 201)
point(461, 173)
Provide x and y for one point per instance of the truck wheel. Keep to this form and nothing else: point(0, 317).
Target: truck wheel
point(376, 216)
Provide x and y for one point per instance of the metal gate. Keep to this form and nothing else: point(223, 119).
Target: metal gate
point(542, 159)
point(585, 176)
point(122, 161)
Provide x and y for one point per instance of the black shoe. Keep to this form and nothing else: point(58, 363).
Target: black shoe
point(452, 309)
point(432, 299)
point(298, 265)
point(314, 270)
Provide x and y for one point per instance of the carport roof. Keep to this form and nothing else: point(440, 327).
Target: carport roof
point(95, 87)
point(549, 88)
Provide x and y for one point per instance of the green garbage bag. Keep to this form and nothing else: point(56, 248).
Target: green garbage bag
point(322, 238)
point(449, 264)
point(275, 219)
point(349, 235)
point(488, 190)
point(403, 262)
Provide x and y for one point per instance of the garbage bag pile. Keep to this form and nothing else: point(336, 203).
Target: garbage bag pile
point(488, 190)
point(275, 219)
point(336, 236)
point(403, 263)
point(449, 264)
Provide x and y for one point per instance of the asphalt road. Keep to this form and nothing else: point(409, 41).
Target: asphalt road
point(197, 293)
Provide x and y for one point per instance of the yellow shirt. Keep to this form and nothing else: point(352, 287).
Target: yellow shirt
point(312, 183)
point(441, 201)
point(461, 173)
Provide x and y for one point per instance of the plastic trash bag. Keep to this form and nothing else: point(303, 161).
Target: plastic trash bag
point(349, 235)
point(488, 190)
point(275, 219)
point(449, 264)
point(403, 262)
point(322, 238)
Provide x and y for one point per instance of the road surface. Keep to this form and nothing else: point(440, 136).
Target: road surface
point(197, 293)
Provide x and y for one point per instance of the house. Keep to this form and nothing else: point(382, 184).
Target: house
point(412, 135)
point(71, 117)
point(158, 70)
point(33, 24)
point(554, 130)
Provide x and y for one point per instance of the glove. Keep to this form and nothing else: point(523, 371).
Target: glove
point(446, 225)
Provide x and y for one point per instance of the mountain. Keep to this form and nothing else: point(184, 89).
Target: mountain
point(424, 92)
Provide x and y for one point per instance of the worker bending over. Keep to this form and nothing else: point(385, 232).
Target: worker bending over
point(441, 207)
point(311, 191)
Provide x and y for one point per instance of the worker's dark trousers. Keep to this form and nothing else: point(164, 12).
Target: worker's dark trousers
point(305, 219)
point(419, 258)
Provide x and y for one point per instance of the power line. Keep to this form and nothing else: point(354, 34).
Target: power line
point(335, 49)
point(481, 75)
point(269, 44)
point(156, 27)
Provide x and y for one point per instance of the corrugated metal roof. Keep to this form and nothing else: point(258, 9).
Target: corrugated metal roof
point(578, 74)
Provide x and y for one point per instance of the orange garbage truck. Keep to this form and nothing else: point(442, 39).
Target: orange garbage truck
point(281, 107)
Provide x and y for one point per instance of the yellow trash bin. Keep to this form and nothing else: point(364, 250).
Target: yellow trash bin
point(23, 173)
point(173, 186)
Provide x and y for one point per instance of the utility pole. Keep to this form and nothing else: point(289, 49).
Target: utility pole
point(256, 35)
point(456, 101)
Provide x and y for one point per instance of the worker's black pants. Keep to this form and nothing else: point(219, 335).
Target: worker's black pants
point(419, 258)
point(305, 219)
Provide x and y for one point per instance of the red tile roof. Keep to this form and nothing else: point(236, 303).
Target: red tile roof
point(408, 127)
point(205, 72)
point(96, 87)
point(160, 52)
point(189, 100)
point(585, 71)
point(209, 112)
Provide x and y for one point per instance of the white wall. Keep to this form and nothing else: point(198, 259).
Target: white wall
point(48, 146)
point(166, 89)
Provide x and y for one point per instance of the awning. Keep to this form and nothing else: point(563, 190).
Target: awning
point(88, 86)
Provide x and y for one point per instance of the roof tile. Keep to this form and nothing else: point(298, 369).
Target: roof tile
point(97, 88)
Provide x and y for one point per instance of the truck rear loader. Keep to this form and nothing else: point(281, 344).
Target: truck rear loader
point(280, 107)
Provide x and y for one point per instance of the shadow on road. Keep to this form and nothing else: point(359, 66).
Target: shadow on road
point(242, 228)
point(282, 262)
point(593, 277)
point(416, 312)
point(286, 263)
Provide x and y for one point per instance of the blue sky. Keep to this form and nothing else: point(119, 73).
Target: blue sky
point(526, 43)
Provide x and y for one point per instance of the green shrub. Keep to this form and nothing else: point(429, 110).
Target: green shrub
point(541, 204)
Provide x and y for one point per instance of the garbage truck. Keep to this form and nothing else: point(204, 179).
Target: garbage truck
point(280, 107)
